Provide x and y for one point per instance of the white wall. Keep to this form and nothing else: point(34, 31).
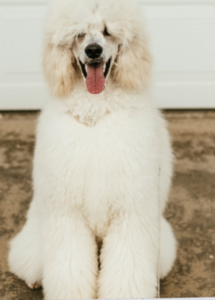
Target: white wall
point(183, 42)
point(182, 35)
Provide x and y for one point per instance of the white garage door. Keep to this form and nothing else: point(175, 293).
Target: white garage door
point(182, 40)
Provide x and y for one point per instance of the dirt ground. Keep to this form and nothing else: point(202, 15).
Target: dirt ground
point(191, 208)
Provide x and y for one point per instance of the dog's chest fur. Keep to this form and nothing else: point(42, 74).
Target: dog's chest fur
point(97, 167)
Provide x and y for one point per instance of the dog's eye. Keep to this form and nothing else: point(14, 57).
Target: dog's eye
point(81, 35)
point(105, 32)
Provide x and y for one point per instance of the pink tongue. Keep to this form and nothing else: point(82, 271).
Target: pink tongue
point(95, 79)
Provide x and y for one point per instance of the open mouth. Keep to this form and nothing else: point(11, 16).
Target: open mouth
point(95, 74)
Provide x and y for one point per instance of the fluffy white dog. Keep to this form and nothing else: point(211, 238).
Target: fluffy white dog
point(103, 161)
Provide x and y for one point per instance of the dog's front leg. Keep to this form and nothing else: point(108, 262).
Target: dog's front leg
point(129, 258)
point(70, 258)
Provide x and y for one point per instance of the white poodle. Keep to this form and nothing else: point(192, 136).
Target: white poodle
point(103, 161)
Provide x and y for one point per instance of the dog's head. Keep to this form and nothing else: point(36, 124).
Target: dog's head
point(95, 41)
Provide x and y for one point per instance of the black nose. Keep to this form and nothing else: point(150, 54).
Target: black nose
point(93, 51)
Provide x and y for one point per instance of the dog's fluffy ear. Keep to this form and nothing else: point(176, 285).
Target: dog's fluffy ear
point(58, 69)
point(133, 64)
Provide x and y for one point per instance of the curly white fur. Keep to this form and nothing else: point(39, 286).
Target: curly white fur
point(96, 167)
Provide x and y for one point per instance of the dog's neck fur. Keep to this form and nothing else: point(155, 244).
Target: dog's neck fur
point(89, 109)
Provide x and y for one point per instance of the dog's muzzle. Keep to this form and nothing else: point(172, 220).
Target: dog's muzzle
point(95, 70)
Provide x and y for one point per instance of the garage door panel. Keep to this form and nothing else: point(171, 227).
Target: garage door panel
point(20, 57)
